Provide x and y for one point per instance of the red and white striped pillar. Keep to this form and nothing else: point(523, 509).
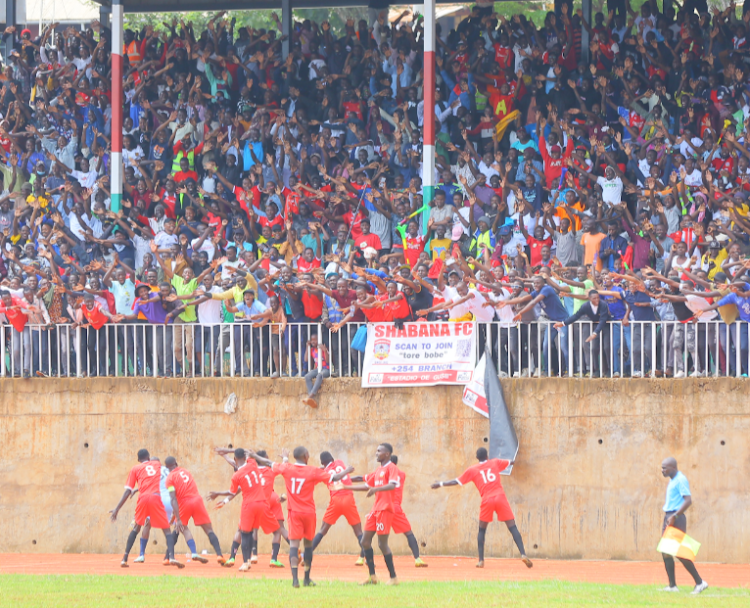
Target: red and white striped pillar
point(428, 137)
point(115, 159)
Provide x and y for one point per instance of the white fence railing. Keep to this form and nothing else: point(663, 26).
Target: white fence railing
point(537, 349)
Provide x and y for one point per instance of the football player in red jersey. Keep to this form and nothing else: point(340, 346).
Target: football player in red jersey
point(342, 500)
point(382, 482)
point(255, 513)
point(300, 479)
point(187, 504)
point(274, 506)
point(146, 476)
point(274, 502)
point(486, 477)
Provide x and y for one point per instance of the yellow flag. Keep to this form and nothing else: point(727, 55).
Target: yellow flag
point(678, 544)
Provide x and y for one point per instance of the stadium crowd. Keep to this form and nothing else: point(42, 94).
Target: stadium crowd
point(275, 203)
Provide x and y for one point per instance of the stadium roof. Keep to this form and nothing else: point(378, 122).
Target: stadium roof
point(166, 6)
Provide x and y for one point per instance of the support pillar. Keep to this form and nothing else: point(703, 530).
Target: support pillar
point(428, 141)
point(10, 19)
point(104, 14)
point(585, 37)
point(287, 21)
point(117, 107)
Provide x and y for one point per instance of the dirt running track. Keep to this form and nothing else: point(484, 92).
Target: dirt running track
point(339, 567)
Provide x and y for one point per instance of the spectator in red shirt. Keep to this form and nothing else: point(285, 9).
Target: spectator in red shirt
point(554, 159)
point(394, 304)
point(14, 310)
point(535, 243)
point(367, 238)
point(185, 173)
point(95, 336)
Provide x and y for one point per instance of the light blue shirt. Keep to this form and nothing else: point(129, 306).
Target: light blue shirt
point(256, 309)
point(677, 488)
point(165, 498)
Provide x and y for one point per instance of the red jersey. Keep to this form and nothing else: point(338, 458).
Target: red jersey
point(183, 484)
point(369, 240)
point(399, 309)
point(536, 248)
point(486, 477)
point(414, 246)
point(374, 315)
point(723, 164)
point(398, 493)
point(502, 55)
point(276, 221)
point(304, 266)
point(243, 197)
point(386, 474)
point(337, 487)
point(353, 222)
point(249, 479)
point(300, 484)
point(553, 166)
point(17, 318)
point(267, 481)
point(146, 476)
point(94, 316)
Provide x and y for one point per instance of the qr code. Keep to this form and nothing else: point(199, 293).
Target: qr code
point(376, 378)
point(463, 348)
point(463, 377)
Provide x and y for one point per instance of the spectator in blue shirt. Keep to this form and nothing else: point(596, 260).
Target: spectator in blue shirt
point(547, 298)
point(638, 337)
point(740, 297)
point(613, 246)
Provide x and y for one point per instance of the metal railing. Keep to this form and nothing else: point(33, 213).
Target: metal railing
point(181, 350)
point(635, 349)
point(539, 349)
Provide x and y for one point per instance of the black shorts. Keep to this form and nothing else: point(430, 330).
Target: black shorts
point(680, 522)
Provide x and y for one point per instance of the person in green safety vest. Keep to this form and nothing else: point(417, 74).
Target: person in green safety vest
point(185, 149)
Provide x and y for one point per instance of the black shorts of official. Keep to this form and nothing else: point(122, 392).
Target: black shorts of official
point(680, 522)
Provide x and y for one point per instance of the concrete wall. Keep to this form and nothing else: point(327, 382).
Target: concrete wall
point(587, 483)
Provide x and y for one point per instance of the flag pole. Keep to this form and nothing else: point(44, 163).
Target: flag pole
point(428, 141)
point(115, 159)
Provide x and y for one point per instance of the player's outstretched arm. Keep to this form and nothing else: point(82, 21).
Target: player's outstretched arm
point(224, 453)
point(214, 495)
point(386, 488)
point(126, 494)
point(361, 487)
point(357, 479)
point(444, 484)
point(259, 459)
point(344, 473)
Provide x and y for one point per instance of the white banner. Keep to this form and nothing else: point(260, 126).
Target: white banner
point(474, 395)
point(420, 354)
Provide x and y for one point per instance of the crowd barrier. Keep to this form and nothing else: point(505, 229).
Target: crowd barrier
point(540, 349)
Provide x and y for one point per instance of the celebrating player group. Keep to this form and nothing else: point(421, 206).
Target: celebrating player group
point(168, 499)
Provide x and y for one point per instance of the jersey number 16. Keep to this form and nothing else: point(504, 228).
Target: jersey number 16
point(488, 476)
